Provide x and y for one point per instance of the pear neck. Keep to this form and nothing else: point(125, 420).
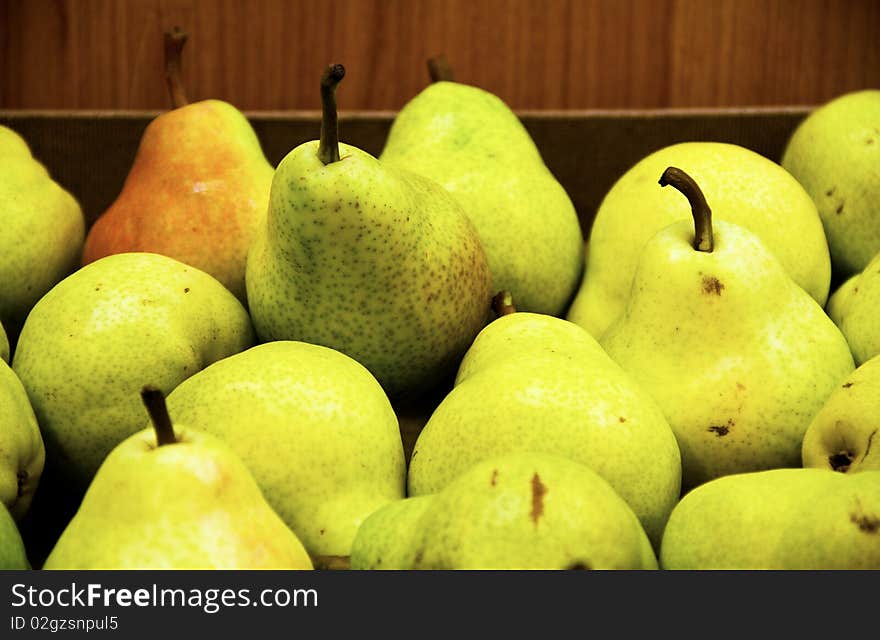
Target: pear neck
point(328, 147)
point(703, 236)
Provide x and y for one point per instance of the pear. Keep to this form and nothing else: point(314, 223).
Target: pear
point(4, 345)
point(738, 356)
point(855, 309)
point(777, 519)
point(384, 540)
point(535, 382)
point(172, 497)
point(22, 454)
point(468, 140)
point(43, 232)
point(197, 190)
point(13, 556)
point(519, 511)
point(834, 153)
point(377, 262)
point(314, 427)
point(842, 436)
point(744, 187)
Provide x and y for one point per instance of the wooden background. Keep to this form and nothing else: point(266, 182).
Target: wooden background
point(547, 55)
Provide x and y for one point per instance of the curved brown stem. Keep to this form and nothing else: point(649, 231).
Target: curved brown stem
point(328, 148)
point(154, 400)
point(502, 304)
point(440, 70)
point(174, 41)
point(703, 240)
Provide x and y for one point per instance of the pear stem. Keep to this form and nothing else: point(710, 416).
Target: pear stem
point(328, 149)
point(703, 240)
point(174, 41)
point(440, 70)
point(154, 400)
point(502, 304)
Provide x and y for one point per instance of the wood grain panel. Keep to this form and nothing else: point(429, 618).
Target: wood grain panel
point(549, 54)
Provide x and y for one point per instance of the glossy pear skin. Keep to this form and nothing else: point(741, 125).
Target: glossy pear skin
point(845, 434)
point(778, 519)
point(379, 263)
point(43, 231)
point(197, 190)
point(98, 336)
point(191, 504)
point(22, 454)
point(742, 187)
point(736, 354)
point(313, 426)
point(855, 308)
point(469, 141)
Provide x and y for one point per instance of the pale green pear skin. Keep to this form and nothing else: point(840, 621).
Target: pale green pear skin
point(855, 308)
point(13, 556)
point(384, 541)
point(473, 144)
point(834, 152)
point(530, 511)
point(314, 426)
point(43, 231)
point(737, 355)
point(378, 263)
point(190, 504)
point(845, 434)
point(777, 519)
point(99, 335)
point(22, 454)
point(741, 185)
point(557, 393)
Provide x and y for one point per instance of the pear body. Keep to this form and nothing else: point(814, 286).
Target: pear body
point(196, 192)
point(376, 262)
point(22, 454)
point(191, 504)
point(737, 355)
point(562, 395)
point(385, 539)
point(777, 519)
point(314, 427)
point(835, 154)
point(43, 231)
point(855, 308)
point(843, 435)
point(468, 140)
point(742, 187)
point(13, 556)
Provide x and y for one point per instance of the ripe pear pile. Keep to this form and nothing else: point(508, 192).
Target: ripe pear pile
point(217, 373)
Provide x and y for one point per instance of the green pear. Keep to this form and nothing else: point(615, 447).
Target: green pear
point(374, 261)
point(529, 511)
point(314, 427)
point(13, 556)
point(855, 309)
point(841, 434)
point(535, 382)
point(738, 356)
point(834, 153)
point(468, 140)
point(777, 519)
point(22, 454)
point(43, 232)
point(385, 538)
point(197, 190)
point(744, 187)
point(173, 497)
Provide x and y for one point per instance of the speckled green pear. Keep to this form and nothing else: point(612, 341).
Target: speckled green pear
point(535, 382)
point(43, 231)
point(99, 335)
point(384, 541)
point(315, 428)
point(22, 454)
point(13, 556)
point(845, 434)
point(834, 153)
point(472, 143)
point(374, 261)
point(530, 511)
point(737, 355)
point(855, 308)
point(179, 499)
point(742, 186)
point(777, 519)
